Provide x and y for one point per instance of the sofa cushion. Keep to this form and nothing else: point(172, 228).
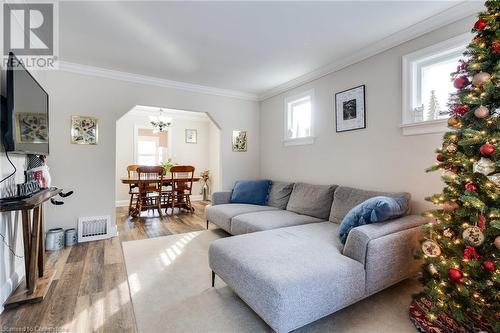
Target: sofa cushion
point(345, 198)
point(266, 220)
point(254, 192)
point(289, 276)
point(221, 215)
point(312, 200)
point(376, 209)
point(279, 194)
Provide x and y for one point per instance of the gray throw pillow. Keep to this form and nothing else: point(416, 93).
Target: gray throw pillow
point(311, 200)
point(279, 194)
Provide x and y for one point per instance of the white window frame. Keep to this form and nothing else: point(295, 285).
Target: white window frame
point(136, 141)
point(412, 64)
point(307, 140)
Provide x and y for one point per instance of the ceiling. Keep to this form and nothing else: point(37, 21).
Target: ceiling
point(250, 47)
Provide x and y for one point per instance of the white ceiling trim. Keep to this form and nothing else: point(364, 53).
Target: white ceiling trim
point(439, 20)
point(150, 80)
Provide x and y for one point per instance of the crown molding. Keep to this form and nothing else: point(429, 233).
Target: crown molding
point(153, 81)
point(455, 13)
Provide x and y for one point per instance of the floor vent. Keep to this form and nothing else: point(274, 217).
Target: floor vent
point(94, 228)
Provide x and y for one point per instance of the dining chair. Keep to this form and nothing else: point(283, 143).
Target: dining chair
point(150, 188)
point(133, 189)
point(181, 180)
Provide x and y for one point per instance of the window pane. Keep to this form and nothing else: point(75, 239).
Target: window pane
point(437, 87)
point(299, 119)
point(147, 147)
point(146, 160)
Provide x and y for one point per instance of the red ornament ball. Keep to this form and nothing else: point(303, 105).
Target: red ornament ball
point(480, 24)
point(489, 265)
point(487, 149)
point(455, 275)
point(470, 187)
point(460, 110)
point(495, 47)
point(461, 82)
point(440, 158)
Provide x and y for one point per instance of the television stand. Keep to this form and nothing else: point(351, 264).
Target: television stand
point(37, 279)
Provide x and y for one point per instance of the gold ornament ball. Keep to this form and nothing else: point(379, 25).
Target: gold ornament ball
point(480, 78)
point(453, 122)
point(481, 112)
point(497, 242)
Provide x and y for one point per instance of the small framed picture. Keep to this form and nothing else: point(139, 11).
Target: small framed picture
point(32, 127)
point(240, 141)
point(84, 130)
point(350, 109)
point(191, 136)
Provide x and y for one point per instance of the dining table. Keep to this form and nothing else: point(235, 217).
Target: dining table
point(165, 182)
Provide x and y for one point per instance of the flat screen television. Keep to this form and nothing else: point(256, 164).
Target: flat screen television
point(25, 122)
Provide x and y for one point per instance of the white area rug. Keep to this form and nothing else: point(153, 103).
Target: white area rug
point(170, 283)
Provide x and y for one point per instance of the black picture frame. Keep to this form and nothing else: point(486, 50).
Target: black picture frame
point(348, 111)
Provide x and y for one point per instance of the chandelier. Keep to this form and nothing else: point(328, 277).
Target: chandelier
point(160, 122)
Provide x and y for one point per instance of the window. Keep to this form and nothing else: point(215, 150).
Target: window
point(298, 119)
point(427, 85)
point(151, 148)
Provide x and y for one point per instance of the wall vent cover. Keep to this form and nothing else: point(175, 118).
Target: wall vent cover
point(94, 228)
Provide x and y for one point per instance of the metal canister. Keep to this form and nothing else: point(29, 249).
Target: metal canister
point(70, 237)
point(54, 240)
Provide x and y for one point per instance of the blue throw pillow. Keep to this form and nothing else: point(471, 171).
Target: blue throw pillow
point(376, 209)
point(253, 192)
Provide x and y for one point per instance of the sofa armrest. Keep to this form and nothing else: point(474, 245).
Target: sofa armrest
point(356, 245)
point(220, 198)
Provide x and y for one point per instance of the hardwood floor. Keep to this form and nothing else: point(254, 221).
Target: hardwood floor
point(90, 291)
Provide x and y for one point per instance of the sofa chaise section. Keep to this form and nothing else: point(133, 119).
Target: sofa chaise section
point(289, 276)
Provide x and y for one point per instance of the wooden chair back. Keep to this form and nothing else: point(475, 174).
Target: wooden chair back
point(151, 176)
point(131, 174)
point(184, 172)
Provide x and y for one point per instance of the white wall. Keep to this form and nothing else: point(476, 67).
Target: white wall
point(378, 157)
point(90, 170)
point(197, 155)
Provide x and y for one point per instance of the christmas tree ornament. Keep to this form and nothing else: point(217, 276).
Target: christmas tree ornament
point(489, 265)
point(480, 78)
point(461, 82)
point(455, 275)
point(449, 206)
point(489, 283)
point(470, 253)
point(470, 187)
point(481, 222)
point(451, 148)
point(432, 270)
point(487, 149)
point(497, 242)
point(473, 235)
point(495, 179)
point(480, 24)
point(495, 47)
point(431, 249)
point(481, 112)
point(484, 166)
point(460, 110)
point(454, 122)
point(440, 158)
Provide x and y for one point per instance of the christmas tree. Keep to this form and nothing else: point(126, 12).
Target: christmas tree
point(433, 109)
point(460, 273)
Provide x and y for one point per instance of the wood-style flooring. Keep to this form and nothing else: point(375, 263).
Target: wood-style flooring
point(90, 292)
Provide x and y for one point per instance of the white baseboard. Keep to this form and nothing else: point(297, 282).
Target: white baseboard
point(124, 203)
point(11, 284)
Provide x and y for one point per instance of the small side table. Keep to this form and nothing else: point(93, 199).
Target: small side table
point(37, 280)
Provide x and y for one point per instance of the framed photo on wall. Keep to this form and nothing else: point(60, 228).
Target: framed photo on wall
point(350, 109)
point(191, 136)
point(240, 141)
point(84, 130)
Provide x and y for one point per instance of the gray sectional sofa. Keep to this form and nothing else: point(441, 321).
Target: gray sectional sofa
point(287, 262)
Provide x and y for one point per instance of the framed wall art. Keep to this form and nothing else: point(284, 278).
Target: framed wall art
point(191, 136)
point(350, 109)
point(84, 130)
point(240, 141)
